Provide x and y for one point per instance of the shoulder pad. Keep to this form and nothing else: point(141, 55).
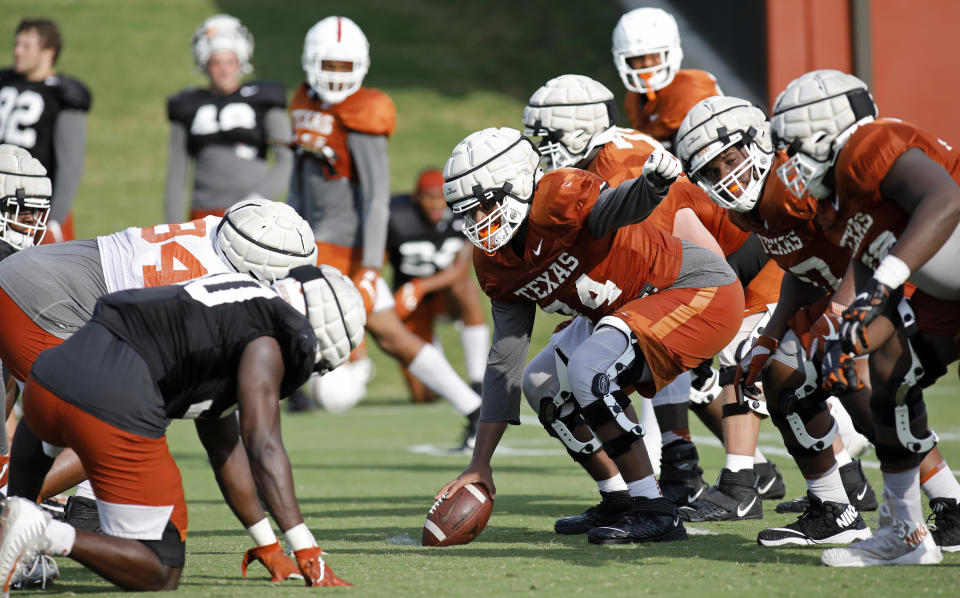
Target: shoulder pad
point(74, 95)
point(269, 93)
point(8, 75)
point(868, 155)
point(564, 198)
point(368, 111)
point(778, 209)
point(180, 107)
point(701, 81)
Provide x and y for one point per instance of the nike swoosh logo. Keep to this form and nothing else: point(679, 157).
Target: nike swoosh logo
point(537, 250)
point(676, 521)
point(742, 512)
point(693, 497)
point(763, 490)
point(860, 495)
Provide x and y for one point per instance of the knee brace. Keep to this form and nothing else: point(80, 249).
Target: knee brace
point(705, 386)
point(609, 407)
point(561, 425)
point(907, 406)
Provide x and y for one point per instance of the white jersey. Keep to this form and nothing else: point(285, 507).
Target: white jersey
point(159, 255)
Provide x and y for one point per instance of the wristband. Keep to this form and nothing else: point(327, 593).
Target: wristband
point(299, 537)
point(262, 533)
point(892, 272)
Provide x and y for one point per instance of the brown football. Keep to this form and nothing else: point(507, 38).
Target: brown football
point(459, 518)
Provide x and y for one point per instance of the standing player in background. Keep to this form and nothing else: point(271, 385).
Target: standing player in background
point(432, 267)
point(226, 129)
point(46, 114)
point(341, 186)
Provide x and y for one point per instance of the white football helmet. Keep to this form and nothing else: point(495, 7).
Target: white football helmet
point(568, 114)
point(496, 172)
point(222, 32)
point(711, 127)
point(25, 192)
point(812, 119)
point(265, 239)
point(339, 39)
point(645, 31)
point(334, 307)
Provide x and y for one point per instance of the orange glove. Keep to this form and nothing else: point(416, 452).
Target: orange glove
point(279, 565)
point(749, 368)
point(408, 297)
point(315, 571)
point(366, 282)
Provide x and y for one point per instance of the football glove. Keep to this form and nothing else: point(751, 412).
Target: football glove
point(838, 372)
point(279, 565)
point(408, 298)
point(661, 170)
point(366, 282)
point(869, 304)
point(749, 368)
point(315, 571)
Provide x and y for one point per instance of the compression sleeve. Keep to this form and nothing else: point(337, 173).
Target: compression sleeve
point(512, 328)
point(175, 193)
point(369, 153)
point(277, 126)
point(627, 203)
point(69, 143)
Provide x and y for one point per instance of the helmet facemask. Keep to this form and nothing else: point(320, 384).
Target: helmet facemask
point(734, 186)
point(556, 147)
point(501, 216)
point(650, 79)
point(24, 219)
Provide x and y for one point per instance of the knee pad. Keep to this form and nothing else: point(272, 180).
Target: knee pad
point(609, 407)
point(907, 405)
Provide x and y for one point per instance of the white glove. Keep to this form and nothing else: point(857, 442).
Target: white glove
point(661, 170)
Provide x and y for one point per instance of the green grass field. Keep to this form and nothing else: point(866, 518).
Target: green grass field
point(451, 68)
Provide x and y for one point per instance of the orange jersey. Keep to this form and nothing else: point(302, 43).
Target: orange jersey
point(563, 268)
point(661, 117)
point(622, 158)
point(321, 129)
point(861, 220)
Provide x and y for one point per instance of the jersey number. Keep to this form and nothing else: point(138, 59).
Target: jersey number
point(227, 288)
point(172, 253)
point(208, 121)
point(592, 294)
point(815, 271)
point(18, 113)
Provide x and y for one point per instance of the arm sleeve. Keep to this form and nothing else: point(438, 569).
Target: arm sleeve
point(279, 134)
point(69, 143)
point(512, 327)
point(627, 203)
point(369, 153)
point(175, 193)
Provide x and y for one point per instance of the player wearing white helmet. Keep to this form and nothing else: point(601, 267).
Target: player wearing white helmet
point(222, 350)
point(888, 192)
point(227, 129)
point(341, 186)
point(569, 243)
point(647, 55)
point(24, 199)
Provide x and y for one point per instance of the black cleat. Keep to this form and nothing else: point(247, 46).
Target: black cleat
point(681, 479)
point(611, 508)
point(823, 522)
point(735, 497)
point(648, 520)
point(82, 513)
point(770, 486)
point(945, 526)
point(469, 437)
point(855, 484)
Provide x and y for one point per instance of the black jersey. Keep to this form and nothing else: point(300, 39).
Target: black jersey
point(189, 338)
point(235, 120)
point(416, 248)
point(6, 250)
point(29, 111)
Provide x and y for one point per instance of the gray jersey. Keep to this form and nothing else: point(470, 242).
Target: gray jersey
point(38, 279)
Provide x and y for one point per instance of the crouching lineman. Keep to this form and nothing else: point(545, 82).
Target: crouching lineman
point(890, 193)
point(199, 350)
point(653, 306)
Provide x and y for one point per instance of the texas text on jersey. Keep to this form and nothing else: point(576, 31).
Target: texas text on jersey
point(661, 117)
point(416, 248)
point(29, 110)
point(190, 338)
point(236, 119)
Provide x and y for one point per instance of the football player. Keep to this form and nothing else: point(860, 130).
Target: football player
point(49, 292)
point(46, 113)
point(647, 55)
point(887, 191)
point(432, 275)
point(567, 242)
point(226, 128)
point(572, 115)
point(340, 185)
point(199, 350)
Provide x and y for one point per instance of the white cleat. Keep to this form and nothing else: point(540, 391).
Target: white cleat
point(897, 542)
point(22, 524)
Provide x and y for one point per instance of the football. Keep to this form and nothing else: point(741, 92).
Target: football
point(459, 518)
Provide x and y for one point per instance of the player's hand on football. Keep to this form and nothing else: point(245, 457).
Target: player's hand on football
point(661, 170)
point(838, 372)
point(752, 364)
point(408, 297)
point(279, 565)
point(473, 474)
point(315, 571)
point(869, 304)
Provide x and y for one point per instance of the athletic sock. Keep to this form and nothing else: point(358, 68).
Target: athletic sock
point(843, 457)
point(901, 489)
point(644, 488)
point(759, 457)
point(829, 486)
point(670, 436)
point(738, 462)
point(432, 368)
point(612, 485)
point(476, 347)
point(941, 483)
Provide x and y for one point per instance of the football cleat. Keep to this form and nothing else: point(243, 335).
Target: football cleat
point(897, 542)
point(945, 527)
point(610, 509)
point(22, 524)
point(82, 513)
point(823, 522)
point(647, 520)
point(681, 479)
point(770, 486)
point(855, 484)
point(470, 431)
point(34, 574)
point(735, 497)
